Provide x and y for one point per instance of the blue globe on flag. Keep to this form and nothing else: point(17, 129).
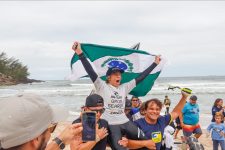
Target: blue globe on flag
point(118, 64)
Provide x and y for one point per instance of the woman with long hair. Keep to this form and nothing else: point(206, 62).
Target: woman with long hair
point(218, 108)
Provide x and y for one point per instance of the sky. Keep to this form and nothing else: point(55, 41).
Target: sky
point(191, 35)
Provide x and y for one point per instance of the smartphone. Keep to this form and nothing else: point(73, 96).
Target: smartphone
point(89, 126)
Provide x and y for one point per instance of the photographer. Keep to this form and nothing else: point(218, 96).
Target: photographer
point(27, 122)
point(93, 103)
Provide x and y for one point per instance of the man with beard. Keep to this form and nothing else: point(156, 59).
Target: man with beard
point(27, 121)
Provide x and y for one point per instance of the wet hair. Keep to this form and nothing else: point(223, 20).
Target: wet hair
point(107, 79)
point(154, 100)
point(142, 108)
point(217, 101)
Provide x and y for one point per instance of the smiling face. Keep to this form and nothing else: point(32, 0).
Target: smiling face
point(115, 78)
point(152, 112)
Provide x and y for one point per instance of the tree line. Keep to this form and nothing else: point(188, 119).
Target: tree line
point(12, 67)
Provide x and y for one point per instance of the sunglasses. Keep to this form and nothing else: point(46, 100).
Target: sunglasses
point(101, 111)
point(52, 127)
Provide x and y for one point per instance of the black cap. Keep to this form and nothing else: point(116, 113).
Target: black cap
point(114, 70)
point(193, 97)
point(94, 100)
point(128, 104)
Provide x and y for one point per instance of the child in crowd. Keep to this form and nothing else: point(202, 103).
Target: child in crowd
point(218, 130)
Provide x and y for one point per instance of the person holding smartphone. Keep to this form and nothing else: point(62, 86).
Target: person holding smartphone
point(27, 122)
point(114, 95)
point(94, 103)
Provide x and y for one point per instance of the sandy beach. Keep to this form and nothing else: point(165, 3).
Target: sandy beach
point(206, 141)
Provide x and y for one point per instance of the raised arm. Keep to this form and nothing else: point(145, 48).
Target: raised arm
point(148, 70)
point(87, 66)
point(178, 108)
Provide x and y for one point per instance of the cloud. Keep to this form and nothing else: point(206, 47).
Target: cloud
point(188, 33)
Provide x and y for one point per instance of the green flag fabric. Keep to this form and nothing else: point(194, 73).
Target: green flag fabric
point(133, 62)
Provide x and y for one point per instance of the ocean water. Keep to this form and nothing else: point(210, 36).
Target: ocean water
point(72, 94)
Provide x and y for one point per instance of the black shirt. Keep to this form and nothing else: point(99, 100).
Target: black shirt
point(101, 145)
point(216, 109)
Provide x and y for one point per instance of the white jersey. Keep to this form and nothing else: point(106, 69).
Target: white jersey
point(114, 100)
point(168, 137)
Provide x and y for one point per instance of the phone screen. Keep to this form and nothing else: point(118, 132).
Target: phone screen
point(89, 126)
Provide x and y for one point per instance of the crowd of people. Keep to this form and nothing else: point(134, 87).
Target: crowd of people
point(27, 120)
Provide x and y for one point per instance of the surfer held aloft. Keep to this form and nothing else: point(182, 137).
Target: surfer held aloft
point(114, 95)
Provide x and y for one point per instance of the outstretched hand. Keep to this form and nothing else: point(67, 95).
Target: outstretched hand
point(77, 48)
point(70, 132)
point(102, 132)
point(184, 94)
point(157, 59)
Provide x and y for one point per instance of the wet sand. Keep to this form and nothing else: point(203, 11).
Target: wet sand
point(205, 141)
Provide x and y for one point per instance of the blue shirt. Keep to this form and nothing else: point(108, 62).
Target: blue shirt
point(190, 114)
point(154, 131)
point(215, 109)
point(135, 113)
point(216, 130)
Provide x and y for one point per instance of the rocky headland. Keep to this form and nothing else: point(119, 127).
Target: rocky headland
point(8, 80)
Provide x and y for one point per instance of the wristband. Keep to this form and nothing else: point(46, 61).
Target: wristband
point(59, 142)
point(81, 55)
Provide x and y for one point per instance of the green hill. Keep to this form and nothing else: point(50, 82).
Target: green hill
point(12, 71)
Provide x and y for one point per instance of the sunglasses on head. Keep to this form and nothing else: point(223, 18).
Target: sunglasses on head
point(52, 127)
point(101, 111)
